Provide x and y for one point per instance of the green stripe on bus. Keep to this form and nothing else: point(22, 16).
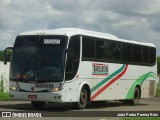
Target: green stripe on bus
point(139, 81)
point(108, 78)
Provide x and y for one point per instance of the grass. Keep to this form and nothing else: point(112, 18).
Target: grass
point(158, 93)
point(4, 96)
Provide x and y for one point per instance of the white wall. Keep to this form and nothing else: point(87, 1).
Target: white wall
point(4, 75)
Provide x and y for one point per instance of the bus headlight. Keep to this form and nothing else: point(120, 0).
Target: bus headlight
point(56, 89)
point(13, 88)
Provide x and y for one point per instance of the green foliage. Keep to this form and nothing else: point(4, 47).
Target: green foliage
point(1, 55)
point(4, 96)
point(158, 90)
point(158, 65)
point(1, 85)
point(9, 53)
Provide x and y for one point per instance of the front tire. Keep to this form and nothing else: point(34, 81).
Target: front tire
point(83, 100)
point(37, 104)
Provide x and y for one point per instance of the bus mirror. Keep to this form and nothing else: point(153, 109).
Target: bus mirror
point(6, 55)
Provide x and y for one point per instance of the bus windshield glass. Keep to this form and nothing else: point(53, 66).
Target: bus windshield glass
point(38, 58)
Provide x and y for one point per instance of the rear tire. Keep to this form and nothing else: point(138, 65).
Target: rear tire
point(37, 104)
point(83, 100)
point(136, 98)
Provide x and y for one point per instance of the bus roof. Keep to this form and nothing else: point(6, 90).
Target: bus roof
point(76, 31)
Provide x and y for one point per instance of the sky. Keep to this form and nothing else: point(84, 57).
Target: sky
point(127, 19)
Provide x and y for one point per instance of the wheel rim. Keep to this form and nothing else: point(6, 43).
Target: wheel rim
point(83, 98)
point(136, 96)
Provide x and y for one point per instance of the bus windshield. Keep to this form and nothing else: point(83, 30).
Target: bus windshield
point(38, 58)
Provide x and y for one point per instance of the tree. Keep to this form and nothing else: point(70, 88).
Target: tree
point(9, 53)
point(158, 65)
point(1, 55)
point(1, 84)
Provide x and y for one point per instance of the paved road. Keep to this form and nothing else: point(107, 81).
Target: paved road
point(66, 110)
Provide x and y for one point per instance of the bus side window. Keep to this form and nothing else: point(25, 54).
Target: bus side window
point(100, 50)
point(126, 54)
point(108, 50)
point(145, 55)
point(137, 54)
point(88, 48)
point(152, 55)
point(115, 47)
point(73, 57)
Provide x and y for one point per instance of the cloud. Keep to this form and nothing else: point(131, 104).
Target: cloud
point(128, 19)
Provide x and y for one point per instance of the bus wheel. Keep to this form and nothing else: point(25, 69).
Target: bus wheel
point(83, 100)
point(37, 104)
point(136, 98)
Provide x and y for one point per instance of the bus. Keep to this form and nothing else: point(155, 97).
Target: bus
point(71, 65)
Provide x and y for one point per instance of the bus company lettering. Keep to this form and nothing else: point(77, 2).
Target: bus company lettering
point(38, 85)
point(100, 69)
point(52, 41)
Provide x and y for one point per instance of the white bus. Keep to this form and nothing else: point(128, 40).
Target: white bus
point(80, 66)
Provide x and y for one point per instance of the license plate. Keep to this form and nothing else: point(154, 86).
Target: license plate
point(32, 96)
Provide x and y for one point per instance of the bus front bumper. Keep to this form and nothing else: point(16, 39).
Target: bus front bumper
point(37, 96)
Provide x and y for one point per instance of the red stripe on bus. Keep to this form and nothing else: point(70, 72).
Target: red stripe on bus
point(110, 83)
